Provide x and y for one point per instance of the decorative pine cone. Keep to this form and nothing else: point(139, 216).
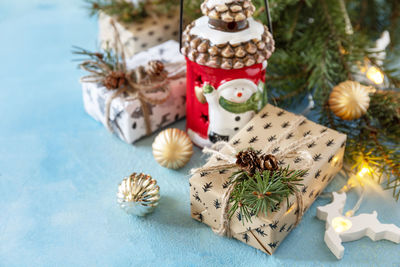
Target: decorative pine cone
point(248, 161)
point(154, 67)
point(228, 10)
point(268, 162)
point(114, 80)
point(99, 55)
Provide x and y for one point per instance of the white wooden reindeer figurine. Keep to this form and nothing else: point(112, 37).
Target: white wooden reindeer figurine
point(340, 228)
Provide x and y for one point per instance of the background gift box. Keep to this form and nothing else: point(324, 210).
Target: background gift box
point(139, 35)
point(126, 115)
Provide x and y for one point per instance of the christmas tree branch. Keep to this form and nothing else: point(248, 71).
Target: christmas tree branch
point(394, 22)
point(314, 53)
point(337, 40)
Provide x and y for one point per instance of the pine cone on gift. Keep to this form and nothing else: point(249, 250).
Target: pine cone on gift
point(268, 162)
point(154, 67)
point(248, 161)
point(115, 80)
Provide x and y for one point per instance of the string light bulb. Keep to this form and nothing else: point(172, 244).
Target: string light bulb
point(366, 167)
point(341, 224)
point(375, 75)
point(364, 171)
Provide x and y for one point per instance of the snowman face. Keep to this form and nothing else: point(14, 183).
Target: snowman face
point(237, 91)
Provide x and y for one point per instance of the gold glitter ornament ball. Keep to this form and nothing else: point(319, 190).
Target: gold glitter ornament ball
point(349, 100)
point(138, 194)
point(172, 148)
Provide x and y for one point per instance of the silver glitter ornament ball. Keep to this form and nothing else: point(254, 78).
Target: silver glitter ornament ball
point(138, 194)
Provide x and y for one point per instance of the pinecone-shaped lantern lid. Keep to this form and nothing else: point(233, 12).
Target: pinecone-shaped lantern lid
point(227, 36)
point(228, 10)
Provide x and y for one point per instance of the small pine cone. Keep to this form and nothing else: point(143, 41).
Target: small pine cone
point(248, 161)
point(268, 162)
point(99, 55)
point(114, 80)
point(154, 67)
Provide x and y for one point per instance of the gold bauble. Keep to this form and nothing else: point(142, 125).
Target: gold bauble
point(172, 148)
point(349, 100)
point(138, 194)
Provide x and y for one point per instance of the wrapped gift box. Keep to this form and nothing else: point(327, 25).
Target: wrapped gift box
point(141, 35)
point(126, 116)
point(267, 232)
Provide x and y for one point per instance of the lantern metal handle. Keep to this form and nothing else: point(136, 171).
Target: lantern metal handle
point(181, 20)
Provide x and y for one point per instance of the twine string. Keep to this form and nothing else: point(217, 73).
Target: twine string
point(227, 160)
point(224, 229)
point(138, 86)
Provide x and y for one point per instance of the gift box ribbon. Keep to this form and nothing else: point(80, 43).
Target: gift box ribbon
point(228, 160)
point(136, 84)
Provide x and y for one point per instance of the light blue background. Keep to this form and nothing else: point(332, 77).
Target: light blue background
point(59, 170)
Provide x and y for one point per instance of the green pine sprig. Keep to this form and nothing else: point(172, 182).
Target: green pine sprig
point(375, 135)
point(263, 192)
point(95, 59)
point(314, 53)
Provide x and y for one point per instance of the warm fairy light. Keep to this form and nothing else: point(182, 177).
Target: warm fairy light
point(362, 66)
point(341, 224)
point(364, 176)
point(349, 213)
point(343, 51)
point(375, 75)
point(365, 170)
point(365, 173)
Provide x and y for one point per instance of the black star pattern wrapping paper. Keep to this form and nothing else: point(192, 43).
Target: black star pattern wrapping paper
point(126, 116)
point(267, 232)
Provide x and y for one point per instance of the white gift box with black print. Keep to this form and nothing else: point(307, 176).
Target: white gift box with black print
point(267, 232)
point(126, 116)
point(139, 35)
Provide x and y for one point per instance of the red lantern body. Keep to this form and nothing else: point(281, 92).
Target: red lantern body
point(197, 121)
point(226, 56)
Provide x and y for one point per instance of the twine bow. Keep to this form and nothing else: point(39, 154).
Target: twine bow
point(134, 84)
point(228, 160)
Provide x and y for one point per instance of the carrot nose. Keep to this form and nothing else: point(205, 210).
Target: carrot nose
point(239, 94)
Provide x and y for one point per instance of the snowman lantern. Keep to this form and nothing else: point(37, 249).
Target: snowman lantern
point(226, 52)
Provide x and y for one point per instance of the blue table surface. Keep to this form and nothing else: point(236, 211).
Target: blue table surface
point(59, 171)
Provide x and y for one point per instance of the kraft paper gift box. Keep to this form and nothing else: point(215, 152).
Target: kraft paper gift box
point(138, 36)
point(126, 116)
point(267, 232)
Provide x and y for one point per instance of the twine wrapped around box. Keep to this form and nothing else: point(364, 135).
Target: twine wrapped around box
point(134, 84)
point(295, 142)
point(230, 159)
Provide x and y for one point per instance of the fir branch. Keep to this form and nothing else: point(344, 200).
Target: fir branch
point(336, 38)
point(384, 112)
point(314, 53)
point(374, 137)
point(263, 192)
point(93, 60)
point(394, 24)
point(289, 95)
